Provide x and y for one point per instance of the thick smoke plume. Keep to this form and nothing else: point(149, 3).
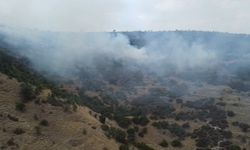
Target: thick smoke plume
point(63, 53)
point(125, 58)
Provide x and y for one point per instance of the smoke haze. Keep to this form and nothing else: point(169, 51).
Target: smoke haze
point(63, 53)
point(106, 15)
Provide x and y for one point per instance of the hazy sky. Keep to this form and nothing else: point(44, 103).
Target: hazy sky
point(106, 15)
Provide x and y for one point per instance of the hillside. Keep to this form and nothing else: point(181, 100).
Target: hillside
point(111, 102)
point(65, 130)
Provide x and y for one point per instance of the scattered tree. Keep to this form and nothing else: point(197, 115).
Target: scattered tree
point(176, 143)
point(163, 143)
point(20, 106)
point(230, 113)
point(143, 146)
point(141, 120)
point(102, 119)
point(27, 92)
point(124, 147)
point(44, 122)
point(37, 130)
point(18, 131)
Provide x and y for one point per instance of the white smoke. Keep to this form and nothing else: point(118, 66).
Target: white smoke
point(62, 53)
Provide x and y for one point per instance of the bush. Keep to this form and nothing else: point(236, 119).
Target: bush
point(84, 131)
point(230, 113)
point(174, 128)
point(131, 135)
point(163, 143)
point(105, 127)
point(143, 132)
point(11, 142)
point(202, 142)
point(234, 147)
point(44, 122)
point(66, 108)
point(20, 106)
point(74, 107)
point(27, 92)
point(141, 120)
point(243, 126)
point(12, 118)
point(37, 130)
point(35, 117)
point(117, 134)
point(177, 130)
point(122, 121)
point(176, 143)
point(102, 119)
point(18, 131)
point(143, 146)
point(124, 147)
point(179, 101)
point(186, 125)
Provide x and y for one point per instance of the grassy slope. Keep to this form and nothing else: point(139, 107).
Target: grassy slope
point(65, 130)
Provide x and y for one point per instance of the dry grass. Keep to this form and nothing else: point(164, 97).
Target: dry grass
point(65, 130)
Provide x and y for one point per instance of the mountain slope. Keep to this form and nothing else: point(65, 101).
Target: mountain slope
point(66, 130)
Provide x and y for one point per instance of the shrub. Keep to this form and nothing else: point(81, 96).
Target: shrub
point(124, 147)
point(37, 130)
point(102, 119)
point(11, 142)
point(35, 117)
point(230, 113)
point(174, 128)
point(12, 118)
point(27, 92)
point(234, 147)
point(131, 135)
point(161, 124)
point(177, 130)
point(74, 107)
point(141, 120)
point(66, 108)
point(143, 146)
point(18, 131)
point(122, 121)
point(144, 131)
point(20, 106)
point(54, 101)
point(44, 122)
point(243, 126)
point(202, 142)
point(186, 125)
point(105, 127)
point(163, 143)
point(84, 131)
point(117, 134)
point(179, 101)
point(176, 143)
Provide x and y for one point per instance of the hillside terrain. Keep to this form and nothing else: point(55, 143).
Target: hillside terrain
point(121, 104)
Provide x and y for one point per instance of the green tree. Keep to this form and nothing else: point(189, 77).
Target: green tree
point(44, 122)
point(143, 146)
point(163, 143)
point(124, 147)
point(27, 92)
point(102, 119)
point(20, 106)
point(141, 120)
point(176, 143)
